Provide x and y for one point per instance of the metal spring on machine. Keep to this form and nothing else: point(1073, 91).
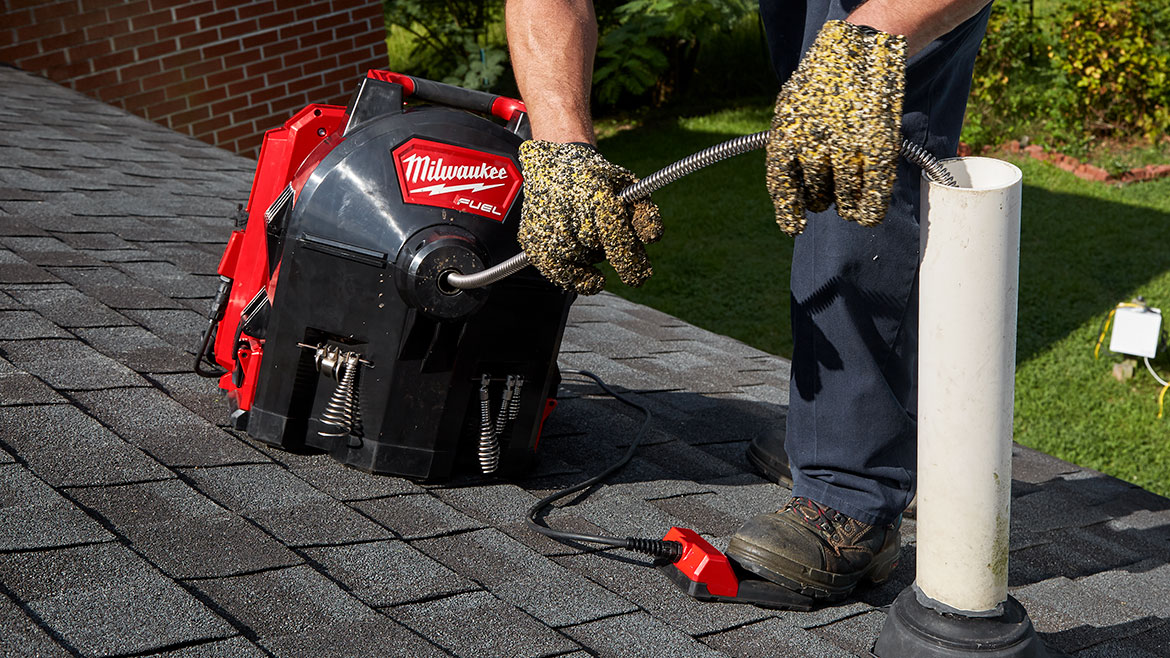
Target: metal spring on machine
point(489, 444)
point(341, 414)
point(509, 404)
point(489, 432)
point(514, 401)
point(502, 414)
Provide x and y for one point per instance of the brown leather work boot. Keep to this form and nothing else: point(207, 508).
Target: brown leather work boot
point(766, 453)
point(815, 550)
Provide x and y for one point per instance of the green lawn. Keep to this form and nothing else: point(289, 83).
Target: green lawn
point(724, 265)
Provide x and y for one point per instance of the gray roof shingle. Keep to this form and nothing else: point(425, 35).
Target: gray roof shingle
point(287, 507)
point(102, 599)
point(25, 636)
point(165, 429)
point(386, 573)
point(523, 578)
point(33, 515)
point(479, 624)
point(298, 611)
point(67, 448)
point(182, 532)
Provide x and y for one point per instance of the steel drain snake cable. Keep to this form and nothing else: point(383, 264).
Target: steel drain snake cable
point(688, 165)
point(658, 548)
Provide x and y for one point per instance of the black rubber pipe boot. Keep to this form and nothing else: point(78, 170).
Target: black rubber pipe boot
point(913, 630)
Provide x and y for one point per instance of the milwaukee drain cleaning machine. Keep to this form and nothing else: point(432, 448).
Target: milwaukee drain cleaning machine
point(333, 327)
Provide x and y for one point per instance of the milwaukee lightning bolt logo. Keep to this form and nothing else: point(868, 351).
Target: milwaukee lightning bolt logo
point(456, 177)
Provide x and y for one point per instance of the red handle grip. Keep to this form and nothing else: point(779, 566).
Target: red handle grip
point(439, 92)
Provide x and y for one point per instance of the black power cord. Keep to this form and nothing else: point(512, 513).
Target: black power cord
point(658, 548)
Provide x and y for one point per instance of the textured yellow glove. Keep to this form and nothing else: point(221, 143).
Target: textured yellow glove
point(573, 218)
point(837, 128)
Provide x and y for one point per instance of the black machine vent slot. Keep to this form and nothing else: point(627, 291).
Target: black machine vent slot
point(254, 316)
point(345, 250)
point(276, 221)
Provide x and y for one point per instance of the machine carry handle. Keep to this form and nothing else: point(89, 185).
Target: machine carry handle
point(445, 94)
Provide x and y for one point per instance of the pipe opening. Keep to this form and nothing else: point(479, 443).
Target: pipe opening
point(981, 174)
point(444, 282)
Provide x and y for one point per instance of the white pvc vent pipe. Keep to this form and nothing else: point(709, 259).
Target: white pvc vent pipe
point(968, 287)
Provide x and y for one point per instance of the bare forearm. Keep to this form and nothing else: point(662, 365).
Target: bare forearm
point(552, 43)
point(920, 21)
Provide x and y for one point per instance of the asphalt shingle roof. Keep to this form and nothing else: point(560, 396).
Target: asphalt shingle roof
point(135, 521)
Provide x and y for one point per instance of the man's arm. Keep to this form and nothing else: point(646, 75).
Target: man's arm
point(920, 21)
point(552, 44)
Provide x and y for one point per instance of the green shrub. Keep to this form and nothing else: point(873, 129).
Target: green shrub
point(459, 42)
point(1017, 89)
point(1092, 68)
point(1117, 55)
point(648, 53)
point(735, 64)
point(651, 50)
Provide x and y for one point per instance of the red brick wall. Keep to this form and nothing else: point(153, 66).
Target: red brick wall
point(221, 71)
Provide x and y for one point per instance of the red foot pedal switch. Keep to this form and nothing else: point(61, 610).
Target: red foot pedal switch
point(706, 574)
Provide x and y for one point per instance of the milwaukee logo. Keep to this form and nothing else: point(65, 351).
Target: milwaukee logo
point(443, 188)
point(448, 176)
point(423, 168)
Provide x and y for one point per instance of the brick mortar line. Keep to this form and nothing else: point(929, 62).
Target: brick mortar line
point(178, 51)
point(188, 108)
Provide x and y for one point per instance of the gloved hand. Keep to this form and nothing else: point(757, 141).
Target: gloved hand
point(837, 128)
point(572, 217)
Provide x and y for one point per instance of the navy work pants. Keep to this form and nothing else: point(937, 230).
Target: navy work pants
point(851, 430)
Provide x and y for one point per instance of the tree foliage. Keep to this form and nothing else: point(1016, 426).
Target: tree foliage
point(452, 41)
point(648, 49)
point(1117, 53)
point(1017, 89)
point(1094, 68)
point(652, 46)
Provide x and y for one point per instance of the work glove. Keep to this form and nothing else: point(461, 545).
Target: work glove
point(572, 217)
point(836, 132)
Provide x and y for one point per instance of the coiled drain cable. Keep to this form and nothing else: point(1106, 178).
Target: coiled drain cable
point(659, 548)
point(688, 165)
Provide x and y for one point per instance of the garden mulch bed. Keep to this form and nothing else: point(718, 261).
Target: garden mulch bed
point(1082, 170)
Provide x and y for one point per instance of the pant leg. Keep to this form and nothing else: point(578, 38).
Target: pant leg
point(851, 431)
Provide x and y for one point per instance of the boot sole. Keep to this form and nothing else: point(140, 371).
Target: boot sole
point(822, 585)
